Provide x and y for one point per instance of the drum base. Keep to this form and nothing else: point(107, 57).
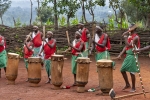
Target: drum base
point(80, 89)
point(10, 82)
point(33, 85)
point(105, 91)
point(56, 87)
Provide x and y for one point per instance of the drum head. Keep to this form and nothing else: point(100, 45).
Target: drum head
point(57, 56)
point(104, 60)
point(34, 59)
point(13, 55)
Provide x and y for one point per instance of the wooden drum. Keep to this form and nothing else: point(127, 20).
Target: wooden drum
point(105, 75)
point(12, 67)
point(57, 62)
point(83, 64)
point(34, 70)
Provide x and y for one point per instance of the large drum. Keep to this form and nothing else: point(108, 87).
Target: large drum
point(57, 62)
point(12, 67)
point(105, 75)
point(34, 70)
point(83, 64)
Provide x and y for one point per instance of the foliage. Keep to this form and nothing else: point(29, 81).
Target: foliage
point(48, 22)
point(18, 23)
point(4, 5)
point(62, 21)
point(111, 24)
point(74, 21)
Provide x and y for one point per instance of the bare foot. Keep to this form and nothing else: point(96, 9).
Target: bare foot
point(49, 80)
point(74, 84)
point(126, 87)
point(27, 80)
point(132, 90)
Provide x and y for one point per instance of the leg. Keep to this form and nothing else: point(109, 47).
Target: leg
point(124, 74)
point(5, 69)
point(133, 82)
point(74, 84)
point(0, 73)
point(47, 66)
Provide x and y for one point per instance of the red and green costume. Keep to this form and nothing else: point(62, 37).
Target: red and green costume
point(37, 42)
point(48, 52)
point(129, 63)
point(3, 54)
point(102, 53)
point(76, 54)
point(27, 53)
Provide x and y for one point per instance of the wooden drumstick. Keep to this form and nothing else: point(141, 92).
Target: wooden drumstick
point(28, 36)
point(128, 95)
point(44, 31)
point(67, 37)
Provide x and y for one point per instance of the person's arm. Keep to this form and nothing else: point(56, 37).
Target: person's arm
point(143, 49)
point(2, 42)
point(121, 53)
point(103, 45)
point(51, 45)
point(30, 48)
point(41, 50)
point(77, 49)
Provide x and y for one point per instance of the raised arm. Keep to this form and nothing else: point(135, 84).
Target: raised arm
point(51, 45)
point(104, 42)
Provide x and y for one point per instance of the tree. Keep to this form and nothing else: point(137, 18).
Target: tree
point(69, 8)
point(4, 5)
point(83, 10)
point(91, 4)
point(31, 12)
point(116, 5)
point(142, 6)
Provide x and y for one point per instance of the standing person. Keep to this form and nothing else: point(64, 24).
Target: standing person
point(85, 35)
point(3, 54)
point(37, 40)
point(129, 64)
point(49, 50)
point(102, 44)
point(28, 51)
point(77, 47)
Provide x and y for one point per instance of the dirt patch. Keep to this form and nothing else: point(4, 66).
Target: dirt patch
point(22, 91)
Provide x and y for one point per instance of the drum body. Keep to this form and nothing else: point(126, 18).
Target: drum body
point(12, 67)
point(105, 75)
point(34, 70)
point(82, 74)
point(57, 62)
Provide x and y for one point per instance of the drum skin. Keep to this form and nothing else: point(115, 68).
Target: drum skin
point(34, 70)
point(105, 75)
point(57, 62)
point(12, 67)
point(82, 75)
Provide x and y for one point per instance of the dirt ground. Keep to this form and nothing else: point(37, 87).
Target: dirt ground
point(22, 91)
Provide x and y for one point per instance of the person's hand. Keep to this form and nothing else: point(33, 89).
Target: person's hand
point(69, 44)
point(119, 57)
point(39, 54)
point(43, 39)
point(125, 33)
point(93, 40)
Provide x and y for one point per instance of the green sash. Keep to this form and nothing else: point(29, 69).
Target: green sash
point(47, 64)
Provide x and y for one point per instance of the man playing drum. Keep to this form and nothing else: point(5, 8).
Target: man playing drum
point(3, 54)
point(129, 63)
point(27, 50)
point(102, 44)
point(77, 48)
point(85, 35)
point(49, 49)
point(37, 40)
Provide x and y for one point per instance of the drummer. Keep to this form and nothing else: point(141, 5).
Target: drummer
point(77, 48)
point(3, 54)
point(49, 50)
point(27, 50)
point(102, 44)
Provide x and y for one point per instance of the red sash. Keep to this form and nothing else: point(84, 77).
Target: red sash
point(130, 39)
point(3, 46)
point(37, 41)
point(27, 53)
point(74, 52)
point(108, 46)
point(84, 35)
point(49, 51)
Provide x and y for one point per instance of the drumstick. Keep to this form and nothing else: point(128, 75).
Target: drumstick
point(44, 32)
point(67, 37)
point(28, 36)
point(123, 96)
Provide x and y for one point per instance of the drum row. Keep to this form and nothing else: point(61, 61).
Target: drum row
point(104, 68)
